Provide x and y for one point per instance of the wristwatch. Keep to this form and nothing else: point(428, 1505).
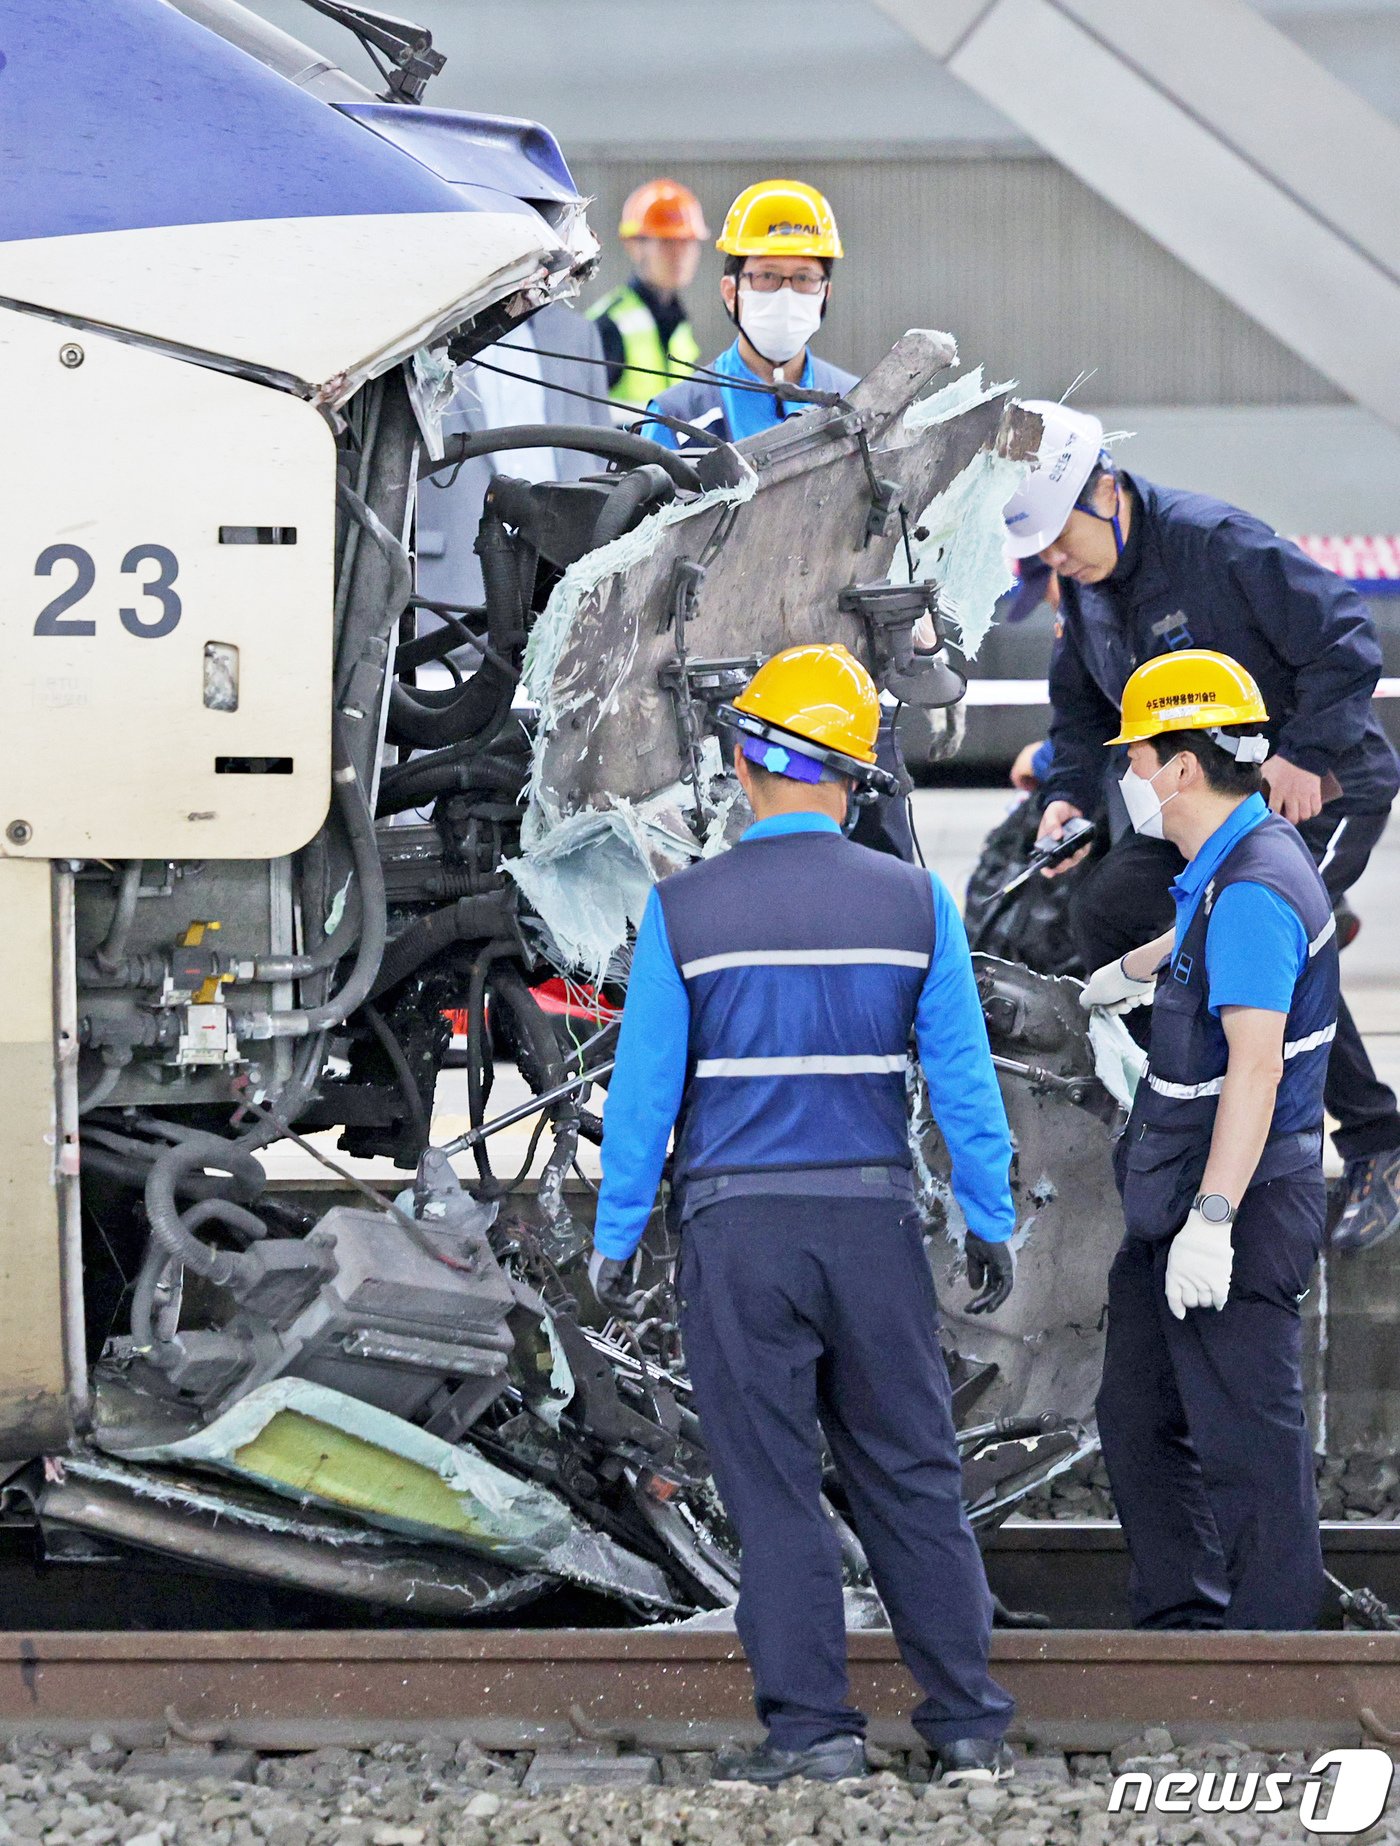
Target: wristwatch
point(1214, 1207)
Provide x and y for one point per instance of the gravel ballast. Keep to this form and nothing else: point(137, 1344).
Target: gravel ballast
point(441, 1795)
point(1355, 1488)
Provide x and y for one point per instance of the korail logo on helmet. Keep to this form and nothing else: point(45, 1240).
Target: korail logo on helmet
point(1358, 1792)
point(1062, 460)
point(786, 228)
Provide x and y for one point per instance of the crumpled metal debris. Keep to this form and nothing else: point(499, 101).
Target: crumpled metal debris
point(620, 794)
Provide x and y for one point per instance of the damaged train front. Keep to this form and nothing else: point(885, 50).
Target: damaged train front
point(228, 336)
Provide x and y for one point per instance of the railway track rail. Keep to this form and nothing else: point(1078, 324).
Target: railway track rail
point(665, 1689)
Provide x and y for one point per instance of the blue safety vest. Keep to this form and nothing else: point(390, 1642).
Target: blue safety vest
point(730, 413)
point(803, 957)
point(1164, 1149)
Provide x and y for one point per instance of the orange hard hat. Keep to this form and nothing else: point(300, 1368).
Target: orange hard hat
point(663, 208)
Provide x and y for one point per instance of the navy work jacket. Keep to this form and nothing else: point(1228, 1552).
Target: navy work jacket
point(1200, 573)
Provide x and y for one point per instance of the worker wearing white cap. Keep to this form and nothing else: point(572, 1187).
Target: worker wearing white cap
point(1145, 571)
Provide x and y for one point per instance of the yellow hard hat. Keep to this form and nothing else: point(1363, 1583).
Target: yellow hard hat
point(1192, 690)
point(816, 694)
point(780, 217)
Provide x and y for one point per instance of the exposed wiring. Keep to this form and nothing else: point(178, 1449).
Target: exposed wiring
point(645, 413)
point(706, 374)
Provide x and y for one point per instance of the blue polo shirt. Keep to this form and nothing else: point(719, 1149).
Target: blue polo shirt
point(1256, 945)
point(748, 412)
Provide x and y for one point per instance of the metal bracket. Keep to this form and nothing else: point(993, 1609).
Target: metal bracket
point(686, 578)
point(886, 497)
point(889, 611)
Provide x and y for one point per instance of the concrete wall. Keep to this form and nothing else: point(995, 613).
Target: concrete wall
point(1032, 272)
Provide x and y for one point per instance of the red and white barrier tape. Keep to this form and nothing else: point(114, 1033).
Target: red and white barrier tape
point(1037, 691)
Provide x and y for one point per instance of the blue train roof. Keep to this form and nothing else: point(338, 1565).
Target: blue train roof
point(127, 115)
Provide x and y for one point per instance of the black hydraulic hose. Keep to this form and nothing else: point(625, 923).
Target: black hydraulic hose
point(421, 721)
point(633, 493)
point(157, 1262)
point(482, 772)
point(480, 918)
point(403, 1075)
point(403, 776)
point(111, 951)
point(129, 1162)
point(611, 444)
point(479, 1065)
point(470, 709)
point(437, 641)
point(168, 1226)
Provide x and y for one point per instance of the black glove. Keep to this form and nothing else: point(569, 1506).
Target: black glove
point(991, 1271)
point(607, 1276)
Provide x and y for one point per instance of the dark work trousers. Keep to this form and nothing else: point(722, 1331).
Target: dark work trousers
point(1203, 1431)
point(804, 1317)
point(884, 824)
point(1125, 901)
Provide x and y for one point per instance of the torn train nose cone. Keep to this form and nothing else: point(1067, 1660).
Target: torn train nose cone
point(1047, 1341)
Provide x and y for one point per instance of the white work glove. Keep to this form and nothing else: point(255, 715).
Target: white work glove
point(1198, 1266)
point(1112, 991)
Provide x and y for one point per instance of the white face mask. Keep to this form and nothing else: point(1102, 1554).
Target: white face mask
point(779, 325)
point(1141, 800)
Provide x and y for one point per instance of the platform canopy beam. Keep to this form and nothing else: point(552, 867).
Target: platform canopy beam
point(1223, 141)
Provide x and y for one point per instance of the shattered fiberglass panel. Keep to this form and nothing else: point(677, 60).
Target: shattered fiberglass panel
point(613, 796)
point(958, 541)
point(1047, 1341)
point(319, 1446)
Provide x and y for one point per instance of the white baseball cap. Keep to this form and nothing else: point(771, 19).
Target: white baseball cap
point(1036, 514)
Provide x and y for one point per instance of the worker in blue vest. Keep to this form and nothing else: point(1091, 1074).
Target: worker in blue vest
point(773, 997)
point(1220, 1168)
point(1147, 570)
point(643, 325)
point(780, 243)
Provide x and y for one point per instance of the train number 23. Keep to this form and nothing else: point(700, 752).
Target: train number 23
point(147, 625)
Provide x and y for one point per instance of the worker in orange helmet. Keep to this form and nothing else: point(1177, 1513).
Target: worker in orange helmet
point(647, 339)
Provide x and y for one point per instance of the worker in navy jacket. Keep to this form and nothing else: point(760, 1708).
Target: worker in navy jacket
point(774, 994)
point(1147, 570)
point(1220, 1167)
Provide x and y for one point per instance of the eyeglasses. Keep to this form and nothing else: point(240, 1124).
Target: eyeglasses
point(769, 281)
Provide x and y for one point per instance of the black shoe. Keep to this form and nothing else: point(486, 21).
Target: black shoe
point(1370, 1189)
point(833, 1760)
point(1348, 923)
point(972, 1759)
point(1002, 1617)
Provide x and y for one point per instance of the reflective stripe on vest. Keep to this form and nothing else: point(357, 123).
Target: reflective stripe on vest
point(804, 958)
point(817, 1065)
point(1189, 1050)
point(1187, 1092)
point(649, 367)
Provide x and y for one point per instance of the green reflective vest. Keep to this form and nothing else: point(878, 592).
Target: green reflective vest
point(643, 353)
